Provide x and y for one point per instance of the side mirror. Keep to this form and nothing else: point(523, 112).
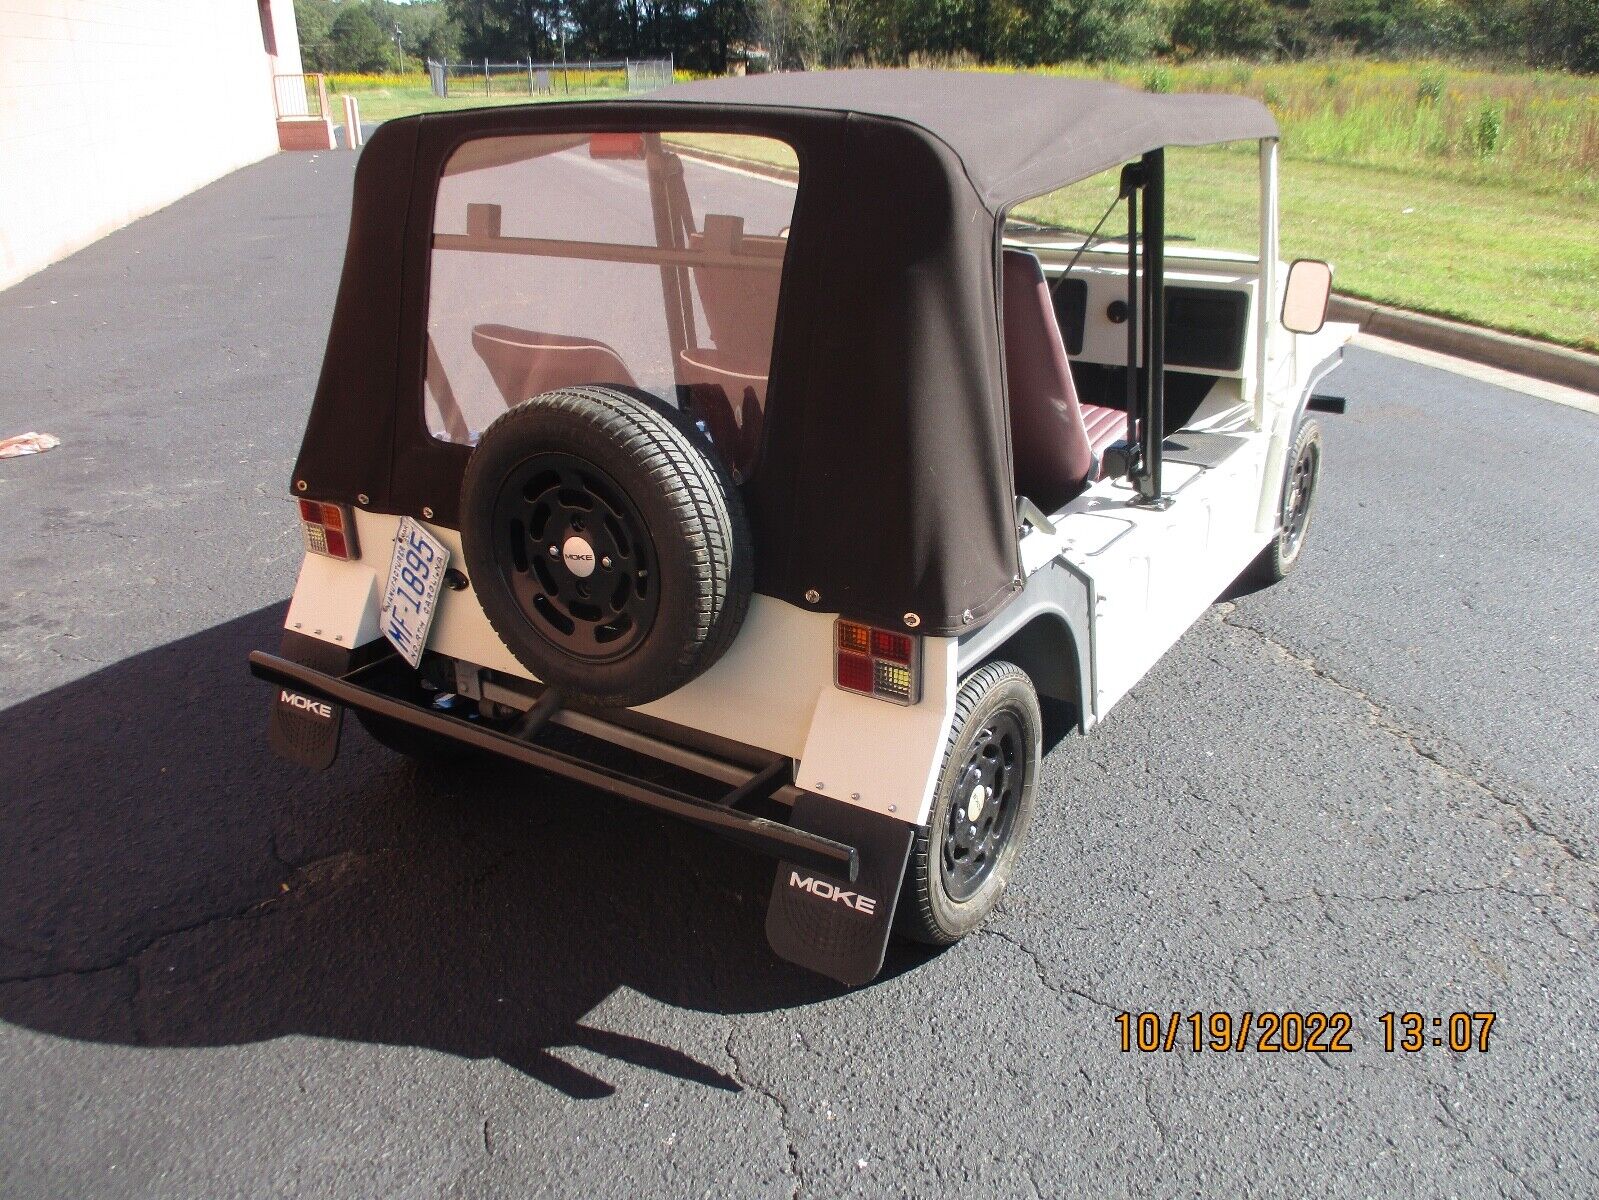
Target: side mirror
point(1305, 295)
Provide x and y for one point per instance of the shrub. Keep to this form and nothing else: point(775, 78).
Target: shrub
point(1157, 79)
point(1487, 129)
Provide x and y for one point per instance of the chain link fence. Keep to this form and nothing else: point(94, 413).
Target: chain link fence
point(585, 77)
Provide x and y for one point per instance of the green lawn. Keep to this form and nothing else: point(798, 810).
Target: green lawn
point(1490, 254)
point(1501, 251)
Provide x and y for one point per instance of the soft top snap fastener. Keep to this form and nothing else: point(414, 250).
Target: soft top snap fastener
point(912, 620)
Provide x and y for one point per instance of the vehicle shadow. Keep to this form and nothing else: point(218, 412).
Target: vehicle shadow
point(165, 881)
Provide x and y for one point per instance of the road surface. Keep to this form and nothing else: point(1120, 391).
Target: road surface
point(1370, 789)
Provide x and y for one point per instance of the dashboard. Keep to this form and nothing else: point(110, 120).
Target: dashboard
point(1208, 306)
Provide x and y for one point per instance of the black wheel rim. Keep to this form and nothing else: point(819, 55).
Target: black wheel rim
point(980, 821)
point(576, 554)
point(1301, 491)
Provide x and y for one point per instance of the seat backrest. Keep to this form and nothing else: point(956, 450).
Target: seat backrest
point(526, 363)
point(1048, 439)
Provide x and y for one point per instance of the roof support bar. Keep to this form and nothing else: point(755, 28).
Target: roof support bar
point(1153, 416)
point(1140, 457)
point(1132, 179)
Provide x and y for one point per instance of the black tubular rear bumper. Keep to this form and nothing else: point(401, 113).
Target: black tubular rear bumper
point(761, 834)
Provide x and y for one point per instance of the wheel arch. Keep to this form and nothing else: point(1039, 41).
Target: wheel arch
point(1046, 632)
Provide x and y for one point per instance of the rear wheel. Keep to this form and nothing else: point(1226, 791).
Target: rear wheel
point(416, 744)
point(421, 745)
point(1299, 495)
point(984, 803)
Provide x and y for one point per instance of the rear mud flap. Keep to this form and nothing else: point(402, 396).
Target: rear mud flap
point(834, 926)
point(304, 729)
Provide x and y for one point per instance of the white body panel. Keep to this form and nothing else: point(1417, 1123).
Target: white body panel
point(338, 601)
point(1155, 572)
point(772, 689)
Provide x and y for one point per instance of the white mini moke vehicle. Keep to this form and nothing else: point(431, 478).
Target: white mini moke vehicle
point(747, 434)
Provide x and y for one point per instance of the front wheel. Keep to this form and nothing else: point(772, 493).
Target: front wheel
point(1299, 495)
point(962, 861)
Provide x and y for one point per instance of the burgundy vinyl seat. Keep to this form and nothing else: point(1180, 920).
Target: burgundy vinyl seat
point(1055, 439)
point(525, 363)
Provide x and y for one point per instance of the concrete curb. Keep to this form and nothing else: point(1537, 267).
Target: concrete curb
point(1524, 356)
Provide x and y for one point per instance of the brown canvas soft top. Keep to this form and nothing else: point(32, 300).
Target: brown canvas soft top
point(885, 490)
point(1017, 136)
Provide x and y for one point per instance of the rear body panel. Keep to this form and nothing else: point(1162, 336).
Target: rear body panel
point(773, 689)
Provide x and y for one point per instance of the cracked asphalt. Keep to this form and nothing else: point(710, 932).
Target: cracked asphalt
point(1369, 789)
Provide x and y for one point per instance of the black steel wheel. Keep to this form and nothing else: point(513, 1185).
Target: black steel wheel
point(961, 861)
point(606, 544)
point(1298, 503)
point(987, 798)
point(578, 557)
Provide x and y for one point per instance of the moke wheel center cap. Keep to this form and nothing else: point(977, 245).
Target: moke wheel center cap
point(974, 805)
point(578, 556)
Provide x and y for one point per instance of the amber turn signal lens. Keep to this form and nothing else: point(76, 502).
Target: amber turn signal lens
point(854, 638)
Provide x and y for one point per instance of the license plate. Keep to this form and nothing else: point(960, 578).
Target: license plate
point(415, 576)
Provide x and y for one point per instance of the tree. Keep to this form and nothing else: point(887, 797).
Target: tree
point(425, 30)
point(357, 42)
point(1223, 27)
point(315, 19)
point(1564, 33)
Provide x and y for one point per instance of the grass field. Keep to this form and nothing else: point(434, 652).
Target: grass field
point(1465, 193)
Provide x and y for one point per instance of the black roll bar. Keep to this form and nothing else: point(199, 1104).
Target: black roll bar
point(1146, 328)
point(1154, 374)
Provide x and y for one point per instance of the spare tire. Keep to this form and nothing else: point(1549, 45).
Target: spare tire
point(606, 543)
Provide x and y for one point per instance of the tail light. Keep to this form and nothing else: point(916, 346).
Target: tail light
point(616, 145)
point(329, 529)
point(877, 662)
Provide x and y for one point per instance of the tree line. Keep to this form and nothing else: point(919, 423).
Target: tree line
point(705, 35)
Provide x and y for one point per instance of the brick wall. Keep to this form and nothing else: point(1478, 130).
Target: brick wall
point(110, 109)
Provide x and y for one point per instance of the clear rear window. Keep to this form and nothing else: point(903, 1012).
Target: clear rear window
point(647, 260)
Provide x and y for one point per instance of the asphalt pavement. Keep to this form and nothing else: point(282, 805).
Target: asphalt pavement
point(1369, 789)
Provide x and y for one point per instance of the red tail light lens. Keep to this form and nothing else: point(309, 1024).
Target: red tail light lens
point(896, 647)
point(328, 529)
point(616, 145)
point(877, 662)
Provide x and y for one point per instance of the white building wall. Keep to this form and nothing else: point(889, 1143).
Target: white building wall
point(110, 109)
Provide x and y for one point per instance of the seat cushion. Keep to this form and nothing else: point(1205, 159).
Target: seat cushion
point(1103, 426)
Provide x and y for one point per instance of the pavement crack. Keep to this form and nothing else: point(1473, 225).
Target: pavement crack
point(314, 870)
point(779, 1105)
point(1155, 1119)
point(1382, 717)
point(1043, 976)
